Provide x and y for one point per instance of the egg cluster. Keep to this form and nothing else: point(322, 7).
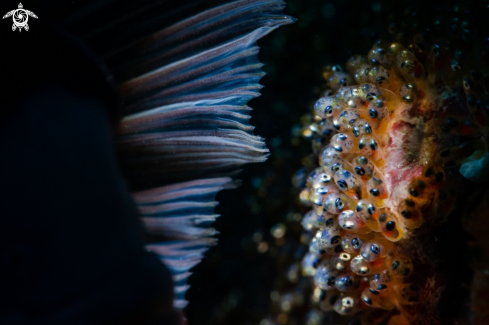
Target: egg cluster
point(355, 220)
point(399, 141)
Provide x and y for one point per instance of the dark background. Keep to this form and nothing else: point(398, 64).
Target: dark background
point(233, 283)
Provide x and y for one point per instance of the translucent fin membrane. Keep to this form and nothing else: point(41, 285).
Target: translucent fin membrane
point(230, 70)
point(206, 29)
point(186, 70)
point(199, 95)
point(190, 68)
point(167, 155)
point(181, 215)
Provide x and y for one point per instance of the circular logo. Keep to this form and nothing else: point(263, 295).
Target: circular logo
point(20, 17)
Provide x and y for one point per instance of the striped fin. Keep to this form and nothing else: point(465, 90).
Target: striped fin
point(185, 73)
point(185, 88)
point(181, 215)
point(195, 107)
point(188, 119)
point(168, 154)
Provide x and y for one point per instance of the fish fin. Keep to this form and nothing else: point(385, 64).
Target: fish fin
point(188, 118)
point(185, 86)
point(178, 217)
point(185, 73)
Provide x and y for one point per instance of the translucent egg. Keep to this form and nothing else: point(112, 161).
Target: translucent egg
point(347, 119)
point(361, 266)
point(354, 62)
point(390, 226)
point(330, 160)
point(351, 98)
point(474, 91)
point(310, 177)
point(327, 299)
point(377, 190)
point(338, 202)
point(417, 187)
point(317, 195)
point(324, 220)
point(410, 216)
point(341, 261)
point(329, 220)
point(325, 128)
point(325, 107)
point(390, 101)
point(361, 73)
point(348, 220)
point(379, 75)
point(364, 167)
point(338, 79)
point(409, 66)
point(375, 249)
point(344, 143)
point(369, 147)
point(368, 212)
point(351, 243)
point(329, 237)
point(395, 48)
point(383, 280)
point(452, 71)
point(369, 92)
point(377, 112)
point(379, 299)
point(433, 176)
point(347, 282)
point(332, 250)
point(309, 264)
point(325, 276)
point(401, 266)
point(408, 93)
point(319, 209)
point(350, 184)
point(319, 178)
point(360, 127)
point(340, 96)
point(327, 153)
point(315, 247)
point(379, 56)
point(308, 220)
point(347, 304)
